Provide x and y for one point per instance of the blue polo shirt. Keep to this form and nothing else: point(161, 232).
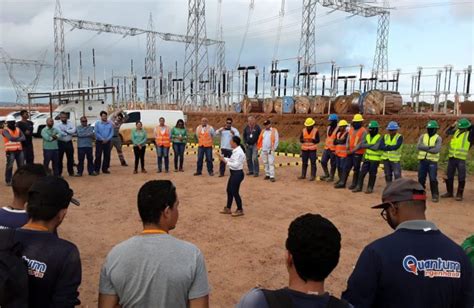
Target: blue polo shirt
point(11, 218)
point(416, 266)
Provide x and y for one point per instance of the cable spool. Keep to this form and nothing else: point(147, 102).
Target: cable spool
point(302, 105)
point(346, 104)
point(268, 105)
point(374, 102)
point(237, 107)
point(252, 105)
point(284, 104)
point(320, 104)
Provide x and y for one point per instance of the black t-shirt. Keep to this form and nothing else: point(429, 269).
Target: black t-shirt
point(26, 126)
point(54, 269)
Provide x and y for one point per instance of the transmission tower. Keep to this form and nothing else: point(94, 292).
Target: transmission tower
point(307, 50)
point(380, 66)
point(150, 61)
point(22, 89)
point(196, 60)
point(59, 71)
point(220, 54)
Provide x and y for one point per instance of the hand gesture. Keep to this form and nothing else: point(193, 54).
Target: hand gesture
point(232, 132)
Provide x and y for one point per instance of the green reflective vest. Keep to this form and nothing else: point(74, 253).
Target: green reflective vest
point(459, 145)
point(427, 141)
point(393, 156)
point(374, 155)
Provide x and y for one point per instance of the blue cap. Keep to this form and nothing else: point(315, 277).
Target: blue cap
point(333, 117)
point(392, 125)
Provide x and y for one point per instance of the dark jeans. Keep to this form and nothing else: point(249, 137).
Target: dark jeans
point(311, 156)
point(427, 167)
point(202, 151)
point(68, 149)
point(340, 164)
point(353, 161)
point(53, 157)
point(11, 157)
point(459, 165)
point(178, 149)
point(28, 153)
point(233, 187)
point(370, 167)
point(83, 153)
point(252, 158)
point(139, 156)
point(102, 149)
point(329, 155)
point(391, 170)
point(163, 152)
point(226, 153)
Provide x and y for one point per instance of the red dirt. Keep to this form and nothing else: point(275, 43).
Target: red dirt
point(240, 252)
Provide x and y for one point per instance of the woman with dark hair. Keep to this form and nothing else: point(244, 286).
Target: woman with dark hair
point(236, 165)
point(179, 137)
point(139, 138)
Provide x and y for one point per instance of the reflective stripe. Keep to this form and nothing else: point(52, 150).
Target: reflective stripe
point(272, 138)
point(12, 146)
point(374, 155)
point(341, 149)
point(204, 138)
point(163, 139)
point(308, 144)
point(429, 142)
point(329, 143)
point(393, 156)
point(459, 145)
point(355, 139)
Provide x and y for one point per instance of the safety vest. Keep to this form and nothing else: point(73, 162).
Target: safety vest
point(308, 144)
point(427, 141)
point(329, 144)
point(204, 137)
point(341, 149)
point(162, 139)
point(12, 146)
point(272, 138)
point(373, 155)
point(459, 145)
point(355, 138)
point(393, 156)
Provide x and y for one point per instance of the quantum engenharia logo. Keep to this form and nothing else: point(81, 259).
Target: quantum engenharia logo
point(432, 268)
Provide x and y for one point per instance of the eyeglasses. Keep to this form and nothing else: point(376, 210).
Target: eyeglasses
point(229, 123)
point(384, 212)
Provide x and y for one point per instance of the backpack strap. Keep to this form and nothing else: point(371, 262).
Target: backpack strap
point(277, 298)
point(337, 303)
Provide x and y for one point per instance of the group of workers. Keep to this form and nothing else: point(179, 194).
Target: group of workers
point(360, 151)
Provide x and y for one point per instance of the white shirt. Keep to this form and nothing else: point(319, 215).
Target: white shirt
point(237, 159)
point(267, 140)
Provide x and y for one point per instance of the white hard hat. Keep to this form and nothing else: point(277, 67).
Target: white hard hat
point(10, 118)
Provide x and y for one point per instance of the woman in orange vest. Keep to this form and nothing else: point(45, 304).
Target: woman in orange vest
point(163, 143)
point(340, 149)
point(12, 138)
point(309, 139)
point(329, 150)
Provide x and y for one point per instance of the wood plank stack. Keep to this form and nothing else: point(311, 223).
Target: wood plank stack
point(252, 105)
point(320, 104)
point(268, 105)
point(345, 104)
point(302, 104)
point(374, 102)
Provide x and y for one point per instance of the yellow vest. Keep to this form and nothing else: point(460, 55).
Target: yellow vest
point(427, 141)
point(374, 155)
point(393, 156)
point(459, 145)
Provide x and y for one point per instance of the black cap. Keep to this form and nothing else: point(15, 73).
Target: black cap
point(51, 191)
point(402, 189)
point(267, 122)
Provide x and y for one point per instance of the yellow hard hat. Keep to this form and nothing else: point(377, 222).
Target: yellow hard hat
point(309, 122)
point(342, 123)
point(358, 118)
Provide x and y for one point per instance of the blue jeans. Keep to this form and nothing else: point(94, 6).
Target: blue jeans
point(102, 149)
point(53, 157)
point(391, 170)
point(427, 167)
point(11, 157)
point(178, 149)
point(202, 151)
point(163, 152)
point(340, 163)
point(252, 158)
point(353, 161)
point(327, 156)
point(83, 153)
point(460, 165)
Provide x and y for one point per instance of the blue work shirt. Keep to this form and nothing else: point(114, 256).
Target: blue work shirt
point(85, 136)
point(104, 131)
point(67, 131)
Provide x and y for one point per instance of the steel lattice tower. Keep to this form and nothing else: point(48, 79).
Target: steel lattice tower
point(59, 71)
point(307, 50)
point(196, 62)
point(150, 60)
point(380, 66)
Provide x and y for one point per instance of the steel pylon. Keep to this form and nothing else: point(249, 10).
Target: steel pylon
point(60, 78)
point(150, 62)
point(380, 66)
point(307, 50)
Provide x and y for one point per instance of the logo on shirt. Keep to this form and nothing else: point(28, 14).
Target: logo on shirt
point(432, 267)
point(35, 268)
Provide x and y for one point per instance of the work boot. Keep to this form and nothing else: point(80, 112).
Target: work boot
point(460, 190)
point(449, 189)
point(326, 174)
point(354, 182)
point(331, 176)
point(122, 160)
point(360, 184)
point(303, 173)
point(388, 179)
point(370, 186)
point(313, 173)
point(434, 191)
point(342, 181)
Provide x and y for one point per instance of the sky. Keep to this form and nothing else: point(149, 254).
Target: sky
point(423, 33)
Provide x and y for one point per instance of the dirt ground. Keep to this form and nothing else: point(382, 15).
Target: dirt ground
point(242, 252)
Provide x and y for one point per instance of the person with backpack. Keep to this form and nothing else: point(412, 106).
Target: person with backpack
point(313, 249)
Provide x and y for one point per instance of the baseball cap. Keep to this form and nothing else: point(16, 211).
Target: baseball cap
point(267, 122)
point(402, 189)
point(51, 191)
